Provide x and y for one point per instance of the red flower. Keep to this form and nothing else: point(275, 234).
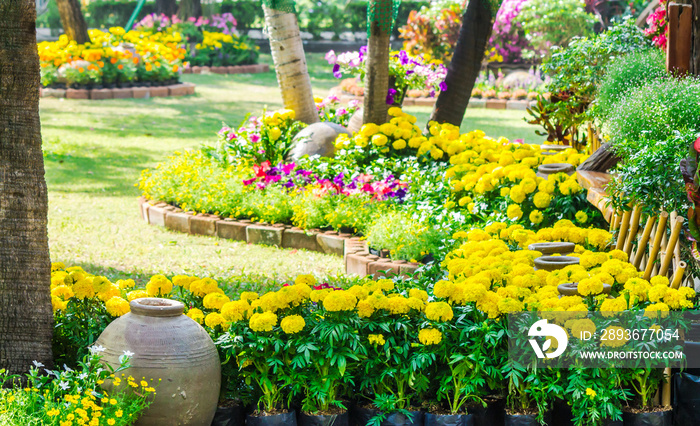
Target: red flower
point(696, 145)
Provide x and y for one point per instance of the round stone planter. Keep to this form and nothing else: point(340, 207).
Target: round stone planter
point(545, 170)
point(171, 348)
point(552, 263)
point(552, 248)
point(571, 289)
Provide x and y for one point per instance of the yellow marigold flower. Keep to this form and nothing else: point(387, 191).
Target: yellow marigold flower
point(214, 319)
point(656, 310)
point(399, 144)
point(116, 306)
point(292, 324)
point(339, 300)
point(111, 291)
point(126, 284)
point(196, 314)
point(385, 284)
point(379, 140)
point(591, 393)
point(365, 309)
point(615, 336)
point(307, 279)
point(579, 326)
point(249, 296)
point(514, 212)
point(136, 294)
point(159, 285)
point(58, 304)
point(214, 300)
point(590, 287)
point(376, 339)
point(536, 217)
point(183, 281)
point(263, 321)
point(319, 295)
point(438, 311)
point(542, 200)
point(101, 284)
point(517, 194)
point(430, 336)
point(62, 291)
point(418, 294)
point(659, 280)
point(235, 311)
point(57, 266)
point(581, 217)
point(83, 289)
point(201, 288)
point(275, 133)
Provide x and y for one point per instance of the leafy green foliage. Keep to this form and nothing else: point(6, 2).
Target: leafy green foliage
point(596, 395)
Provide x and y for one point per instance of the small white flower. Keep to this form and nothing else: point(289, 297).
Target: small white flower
point(83, 376)
point(37, 364)
point(128, 354)
point(95, 349)
point(63, 385)
point(67, 368)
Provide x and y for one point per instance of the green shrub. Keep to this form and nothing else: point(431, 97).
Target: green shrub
point(550, 23)
point(405, 237)
point(354, 212)
point(650, 176)
point(626, 73)
point(272, 205)
point(310, 210)
point(654, 112)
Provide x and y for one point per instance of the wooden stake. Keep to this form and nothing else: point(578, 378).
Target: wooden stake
point(680, 30)
point(660, 231)
point(671, 247)
point(634, 228)
point(642, 246)
point(624, 226)
point(678, 276)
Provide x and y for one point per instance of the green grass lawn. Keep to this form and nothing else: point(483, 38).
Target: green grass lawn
point(95, 150)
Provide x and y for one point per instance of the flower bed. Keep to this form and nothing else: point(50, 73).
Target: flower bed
point(181, 89)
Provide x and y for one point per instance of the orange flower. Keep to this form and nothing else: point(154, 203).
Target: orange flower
point(57, 62)
point(100, 64)
point(157, 63)
point(120, 66)
point(113, 60)
point(175, 68)
point(81, 69)
point(136, 61)
point(149, 67)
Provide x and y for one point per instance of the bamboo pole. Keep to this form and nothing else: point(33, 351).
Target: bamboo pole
point(634, 228)
point(624, 226)
point(660, 231)
point(678, 275)
point(671, 247)
point(614, 221)
point(666, 388)
point(641, 247)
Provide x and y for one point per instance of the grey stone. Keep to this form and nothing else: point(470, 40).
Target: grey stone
point(316, 139)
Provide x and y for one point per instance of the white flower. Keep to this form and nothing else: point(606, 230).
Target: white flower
point(128, 354)
point(63, 385)
point(37, 364)
point(67, 368)
point(95, 349)
point(83, 376)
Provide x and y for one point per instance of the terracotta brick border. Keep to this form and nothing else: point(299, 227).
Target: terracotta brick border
point(236, 69)
point(429, 102)
point(354, 250)
point(180, 89)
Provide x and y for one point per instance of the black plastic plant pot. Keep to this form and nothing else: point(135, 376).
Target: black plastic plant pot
point(657, 418)
point(561, 413)
point(284, 419)
point(686, 397)
point(374, 251)
point(229, 416)
point(521, 420)
point(342, 419)
point(491, 415)
point(361, 416)
point(448, 420)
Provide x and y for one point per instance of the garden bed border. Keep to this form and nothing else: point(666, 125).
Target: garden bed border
point(357, 259)
point(232, 69)
point(180, 89)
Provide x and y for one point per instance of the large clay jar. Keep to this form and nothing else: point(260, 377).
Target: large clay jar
point(169, 346)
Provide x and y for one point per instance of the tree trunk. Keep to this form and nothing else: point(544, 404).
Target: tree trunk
point(377, 65)
point(26, 317)
point(189, 8)
point(464, 69)
point(73, 20)
point(290, 64)
point(695, 52)
point(166, 7)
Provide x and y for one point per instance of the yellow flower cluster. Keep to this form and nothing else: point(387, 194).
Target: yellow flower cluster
point(217, 40)
point(75, 284)
point(400, 134)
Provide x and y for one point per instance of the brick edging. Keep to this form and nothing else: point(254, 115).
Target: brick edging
point(429, 102)
point(233, 69)
point(181, 89)
point(354, 250)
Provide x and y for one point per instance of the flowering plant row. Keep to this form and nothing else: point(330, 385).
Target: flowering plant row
point(210, 41)
point(113, 57)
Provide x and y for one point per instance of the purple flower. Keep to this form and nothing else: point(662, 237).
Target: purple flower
point(390, 97)
point(338, 180)
point(363, 51)
point(443, 86)
point(403, 57)
point(330, 57)
point(288, 168)
point(255, 138)
point(336, 71)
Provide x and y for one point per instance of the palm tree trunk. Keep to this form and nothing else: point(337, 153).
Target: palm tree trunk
point(26, 317)
point(290, 63)
point(189, 9)
point(377, 67)
point(464, 69)
point(73, 20)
